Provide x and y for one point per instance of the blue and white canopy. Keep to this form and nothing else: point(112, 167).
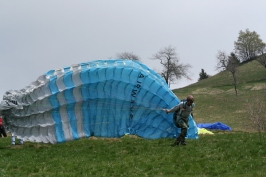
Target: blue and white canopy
point(103, 98)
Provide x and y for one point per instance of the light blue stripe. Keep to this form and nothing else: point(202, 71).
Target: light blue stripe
point(52, 85)
point(93, 75)
point(101, 74)
point(72, 120)
point(100, 90)
point(49, 73)
point(101, 122)
point(147, 82)
point(84, 92)
point(110, 73)
point(68, 80)
point(84, 76)
point(59, 133)
point(92, 110)
point(67, 69)
point(125, 75)
point(134, 76)
point(53, 101)
point(60, 137)
point(86, 121)
point(117, 73)
point(69, 97)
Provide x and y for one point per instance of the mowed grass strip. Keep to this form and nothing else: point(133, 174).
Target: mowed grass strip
point(221, 154)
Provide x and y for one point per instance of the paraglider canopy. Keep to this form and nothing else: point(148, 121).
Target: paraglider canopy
point(104, 98)
point(214, 126)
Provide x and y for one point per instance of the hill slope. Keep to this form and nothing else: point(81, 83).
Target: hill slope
point(216, 100)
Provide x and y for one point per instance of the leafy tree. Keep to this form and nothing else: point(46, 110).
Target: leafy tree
point(172, 69)
point(248, 45)
point(228, 63)
point(128, 55)
point(203, 75)
point(262, 59)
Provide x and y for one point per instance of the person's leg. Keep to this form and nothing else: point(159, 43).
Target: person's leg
point(1, 131)
point(184, 134)
point(4, 132)
point(181, 137)
point(21, 141)
point(13, 139)
point(177, 141)
point(5, 135)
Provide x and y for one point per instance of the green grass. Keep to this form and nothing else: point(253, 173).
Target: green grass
point(221, 154)
point(237, 153)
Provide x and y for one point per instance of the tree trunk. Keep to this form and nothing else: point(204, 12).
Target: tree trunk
point(235, 83)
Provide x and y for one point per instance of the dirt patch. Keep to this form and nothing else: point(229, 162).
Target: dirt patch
point(207, 91)
point(231, 91)
point(248, 87)
point(16, 146)
point(93, 138)
point(114, 139)
point(42, 146)
point(259, 87)
point(132, 136)
point(240, 111)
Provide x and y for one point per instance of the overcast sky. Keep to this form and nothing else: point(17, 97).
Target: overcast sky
point(37, 36)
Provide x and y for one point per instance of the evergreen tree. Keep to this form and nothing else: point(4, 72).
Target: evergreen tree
point(203, 75)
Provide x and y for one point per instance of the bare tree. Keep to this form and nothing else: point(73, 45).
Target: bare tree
point(228, 63)
point(172, 69)
point(128, 55)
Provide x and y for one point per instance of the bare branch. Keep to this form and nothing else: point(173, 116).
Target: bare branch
point(172, 69)
point(229, 63)
point(128, 55)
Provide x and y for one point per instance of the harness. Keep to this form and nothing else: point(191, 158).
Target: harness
point(178, 119)
point(179, 111)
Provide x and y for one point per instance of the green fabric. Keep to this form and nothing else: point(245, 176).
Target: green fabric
point(182, 136)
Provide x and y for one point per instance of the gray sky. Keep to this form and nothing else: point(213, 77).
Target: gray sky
point(37, 36)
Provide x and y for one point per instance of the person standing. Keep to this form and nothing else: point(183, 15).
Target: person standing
point(2, 128)
point(8, 103)
point(183, 110)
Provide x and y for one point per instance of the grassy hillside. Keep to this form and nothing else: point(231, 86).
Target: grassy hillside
point(216, 100)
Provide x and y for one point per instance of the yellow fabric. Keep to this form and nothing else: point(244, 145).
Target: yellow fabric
point(204, 131)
